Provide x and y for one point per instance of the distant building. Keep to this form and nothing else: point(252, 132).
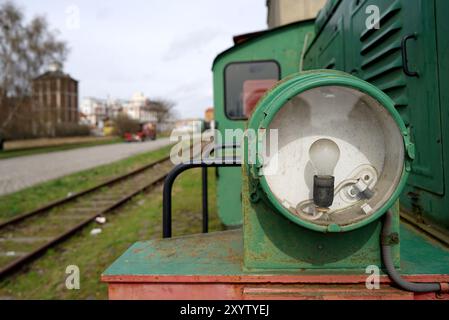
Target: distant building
point(139, 108)
point(95, 111)
point(115, 107)
point(281, 12)
point(54, 101)
point(209, 115)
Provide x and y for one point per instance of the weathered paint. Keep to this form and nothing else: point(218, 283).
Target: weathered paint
point(267, 290)
point(343, 43)
point(240, 290)
point(276, 99)
point(329, 279)
point(244, 291)
point(271, 240)
point(209, 267)
point(221, 254)
point(274, 243)
point(282, 45)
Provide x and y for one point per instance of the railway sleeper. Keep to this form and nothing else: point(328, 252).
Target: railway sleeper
point(71, 216)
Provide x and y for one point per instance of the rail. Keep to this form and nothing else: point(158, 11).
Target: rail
point(135, 181)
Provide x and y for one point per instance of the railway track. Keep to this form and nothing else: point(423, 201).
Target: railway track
point(27, 236)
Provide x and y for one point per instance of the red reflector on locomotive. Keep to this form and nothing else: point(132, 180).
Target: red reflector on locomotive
point(253, 90)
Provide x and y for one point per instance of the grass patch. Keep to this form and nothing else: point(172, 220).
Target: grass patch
point(7, 154)
point(138, 220)
point(36, 196)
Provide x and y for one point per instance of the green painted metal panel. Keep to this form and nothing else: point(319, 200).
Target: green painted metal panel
point(434, 208)
point(376, 56)
point(324, 14)
point(221, 253)
point(283, 45)
point(323, 51)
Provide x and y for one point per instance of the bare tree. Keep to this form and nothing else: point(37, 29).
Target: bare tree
point(163, 109)
point(25, 49)
point(124, 124)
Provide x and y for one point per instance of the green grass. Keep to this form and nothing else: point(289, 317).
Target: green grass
point(7, 154)
point(138, 220)
point(36, 196)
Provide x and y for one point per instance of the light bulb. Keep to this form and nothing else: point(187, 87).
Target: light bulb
point(324, 155)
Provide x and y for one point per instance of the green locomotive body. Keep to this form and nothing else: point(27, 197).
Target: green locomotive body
point(383, 109)
point(273, 55)
point(406, 57)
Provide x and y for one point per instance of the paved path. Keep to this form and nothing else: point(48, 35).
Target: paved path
point(22, 172)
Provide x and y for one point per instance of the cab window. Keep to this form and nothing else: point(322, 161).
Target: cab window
point(245, 84)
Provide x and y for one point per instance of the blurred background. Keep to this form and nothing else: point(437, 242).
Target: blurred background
point(90, 92)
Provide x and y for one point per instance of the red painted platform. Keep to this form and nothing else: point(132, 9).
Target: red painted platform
point(296, 288)
point(208, 267)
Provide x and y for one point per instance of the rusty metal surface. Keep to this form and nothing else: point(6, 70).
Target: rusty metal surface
point(219, 257)
point(431, 229)
point(266, 291)
point(210, 267)
point(207, 254)
point(324, 292)
point(245, 291)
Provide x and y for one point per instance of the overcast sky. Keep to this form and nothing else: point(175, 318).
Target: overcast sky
point(163, 48)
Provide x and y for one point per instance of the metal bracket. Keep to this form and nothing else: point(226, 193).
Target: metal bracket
point(391, 240)
point(254, 192)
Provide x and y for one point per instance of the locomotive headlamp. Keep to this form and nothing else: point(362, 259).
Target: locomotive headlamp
point(341, 157)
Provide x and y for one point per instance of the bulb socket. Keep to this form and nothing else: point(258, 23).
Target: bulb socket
point(323, 191)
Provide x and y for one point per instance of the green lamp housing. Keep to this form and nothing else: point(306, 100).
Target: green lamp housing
point(328, 157)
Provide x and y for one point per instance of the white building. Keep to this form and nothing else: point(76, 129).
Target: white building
point(139, 108)
point(94, 111)
point(115, 107)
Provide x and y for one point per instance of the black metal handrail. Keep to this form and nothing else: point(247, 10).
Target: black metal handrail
point(171, 177)
point(205, 201)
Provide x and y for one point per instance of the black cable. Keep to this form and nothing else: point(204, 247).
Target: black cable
point(391, 270)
